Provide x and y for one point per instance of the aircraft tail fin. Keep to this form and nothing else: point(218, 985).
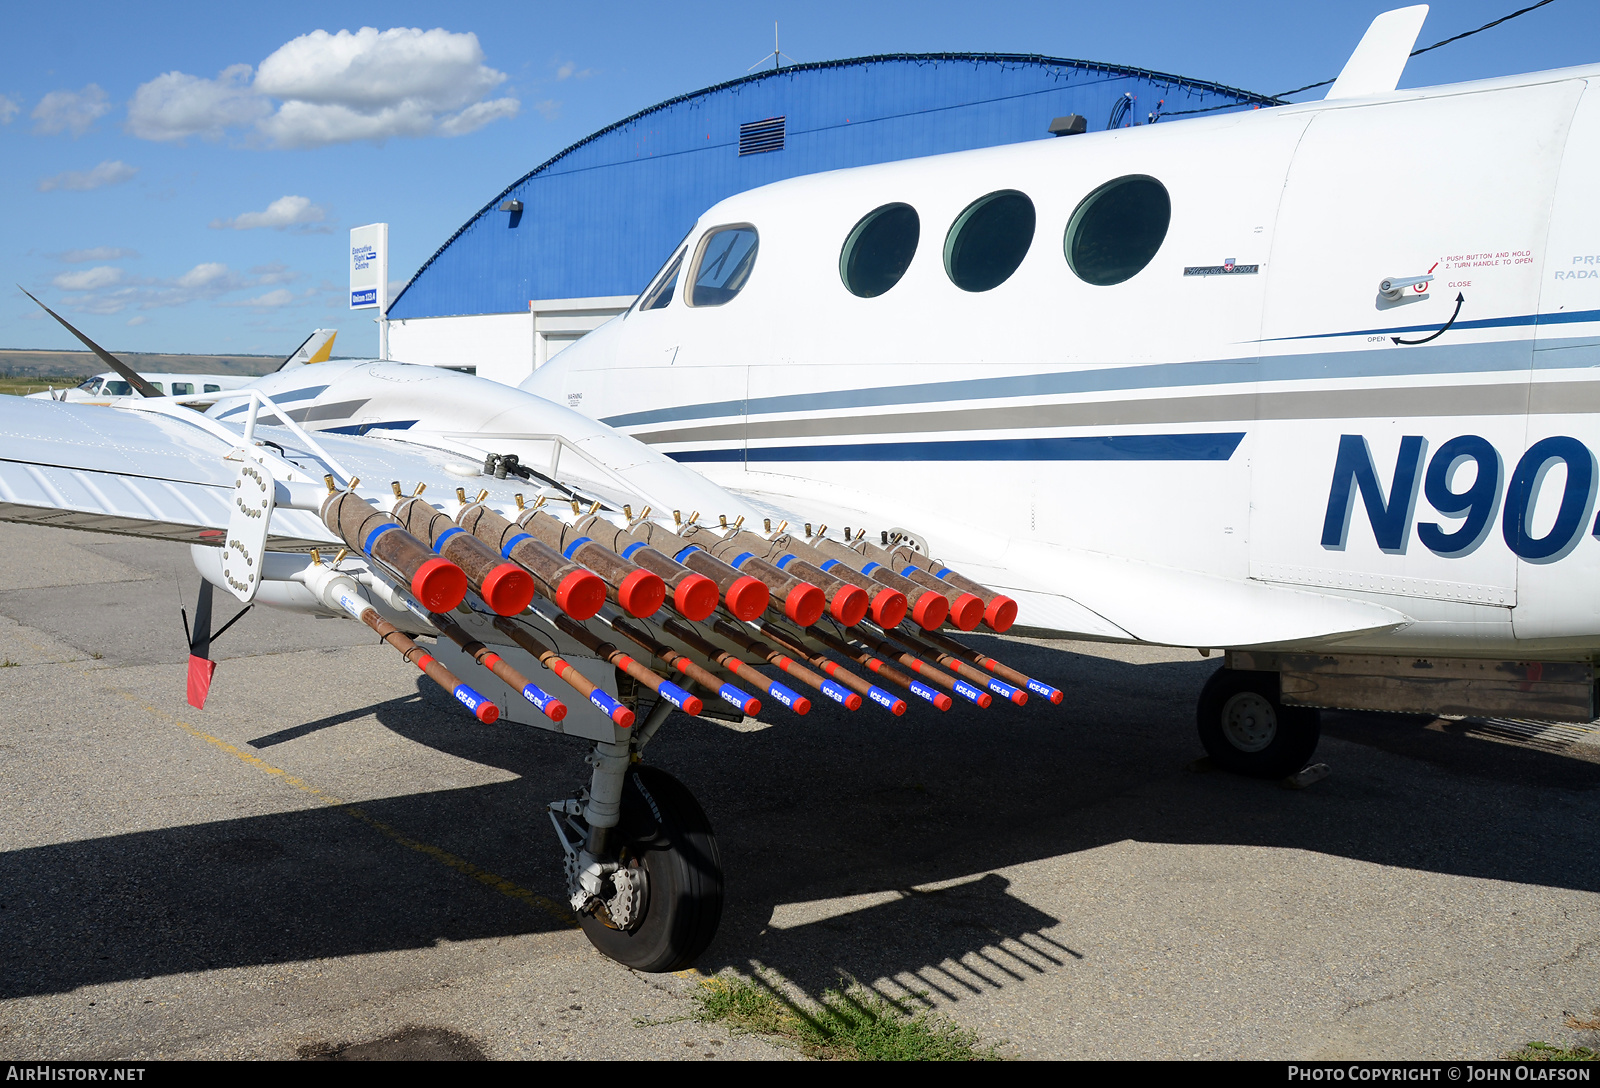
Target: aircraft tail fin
point(1380, 59)
point(316, 348)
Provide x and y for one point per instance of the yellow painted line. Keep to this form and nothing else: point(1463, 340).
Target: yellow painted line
point(444, 857)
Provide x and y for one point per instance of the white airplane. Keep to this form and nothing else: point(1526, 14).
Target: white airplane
point(1313, 385)
point(111, 386)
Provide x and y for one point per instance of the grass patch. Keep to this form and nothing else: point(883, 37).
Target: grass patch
point(1547, 1052)
point(21, 387)
point(9, 664)
point(853, 1024)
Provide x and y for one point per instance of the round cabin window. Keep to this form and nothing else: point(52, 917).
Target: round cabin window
point(1117, 230)
point(879, 249)
point(989, 240)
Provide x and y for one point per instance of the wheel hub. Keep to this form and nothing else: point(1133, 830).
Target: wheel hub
point(626, 905)
point(1249, 721)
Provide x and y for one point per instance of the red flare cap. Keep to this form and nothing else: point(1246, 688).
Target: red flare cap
point(581, 594)
point(1019, 697)
point(507, 589)
point(985, 699)
point(966, 611)
point(801, 705)
point(753, 707)
point(748, 597)
point(623, 717)
point(555, 710)
point(439, 584)
point(804, 604)
point(1001, 614)
point(899, 707)
point(487, 713)
point(1057, 697)
point(888, 608)
point(849, 605)
point(695, 596)
point(852, 701)
point(693, 705)
point(931, 610)
point(943, 701)
point(641, 593)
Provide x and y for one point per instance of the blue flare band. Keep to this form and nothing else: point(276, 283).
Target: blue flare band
point(881, 697)
point(967, 691)
point(366, 545)
point(732, 695)
point(627, 553)
point(923, 691)
point(505, 552)
point(836, 692)
point(673, 694)
point(574, 546)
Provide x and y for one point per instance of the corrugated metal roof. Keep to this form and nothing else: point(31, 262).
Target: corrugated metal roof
point(600, 217)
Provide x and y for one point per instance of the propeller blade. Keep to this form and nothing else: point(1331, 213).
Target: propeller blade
point(144, 388)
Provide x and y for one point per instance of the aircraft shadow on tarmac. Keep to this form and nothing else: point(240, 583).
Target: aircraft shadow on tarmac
point(814, 809)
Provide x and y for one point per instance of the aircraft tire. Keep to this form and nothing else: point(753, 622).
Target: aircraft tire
point(1245, 728)
point(665, 833)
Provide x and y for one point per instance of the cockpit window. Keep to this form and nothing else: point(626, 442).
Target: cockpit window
point(989, 240)
point(1117, 229)
point(661, 294)
point(879, 249)
point(118, 389)
point(89, 385)
point(722, 267)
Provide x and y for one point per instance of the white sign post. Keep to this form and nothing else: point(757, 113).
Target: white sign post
point(369, 276)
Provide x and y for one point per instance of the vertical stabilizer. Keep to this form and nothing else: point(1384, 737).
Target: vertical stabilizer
point(316, 348)
point(1378, 62)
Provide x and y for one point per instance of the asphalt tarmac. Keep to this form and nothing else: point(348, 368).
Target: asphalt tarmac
point(333, 860)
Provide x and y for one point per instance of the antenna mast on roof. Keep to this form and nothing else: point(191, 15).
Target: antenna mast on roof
point(776, 56)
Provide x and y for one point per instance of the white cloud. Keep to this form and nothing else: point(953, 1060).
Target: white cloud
point(176, 105)
point(285, 212)
point(110, 172)
point(98, 253)
point(9, 108)
point(270, 301)
point(570, 70)
point(108, 290)
point(139, 320)
point(324, 88)
point(89, 279)
point(75, 111)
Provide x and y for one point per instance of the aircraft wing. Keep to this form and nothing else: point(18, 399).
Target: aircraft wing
point(1074, 592)
point(169, 476)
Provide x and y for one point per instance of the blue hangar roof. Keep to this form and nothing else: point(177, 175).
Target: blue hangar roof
point(599, 218)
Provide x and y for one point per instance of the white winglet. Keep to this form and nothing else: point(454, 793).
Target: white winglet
point(1376, 65)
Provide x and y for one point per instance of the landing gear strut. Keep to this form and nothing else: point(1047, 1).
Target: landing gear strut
point(1246, 728)
point(643, 869)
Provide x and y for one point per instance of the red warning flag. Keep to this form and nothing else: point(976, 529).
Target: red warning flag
point(200, 673)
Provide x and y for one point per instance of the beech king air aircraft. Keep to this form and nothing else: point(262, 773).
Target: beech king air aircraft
point(1315, 385)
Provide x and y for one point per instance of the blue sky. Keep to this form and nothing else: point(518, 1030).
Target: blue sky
point(182, 177)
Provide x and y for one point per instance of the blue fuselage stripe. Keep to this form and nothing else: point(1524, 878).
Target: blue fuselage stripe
point(1114, 447)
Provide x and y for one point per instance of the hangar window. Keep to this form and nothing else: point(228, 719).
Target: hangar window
point(989, 240)
point(879, 249)
point(1117, 229)
point(666, 283)
point(723, 263)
